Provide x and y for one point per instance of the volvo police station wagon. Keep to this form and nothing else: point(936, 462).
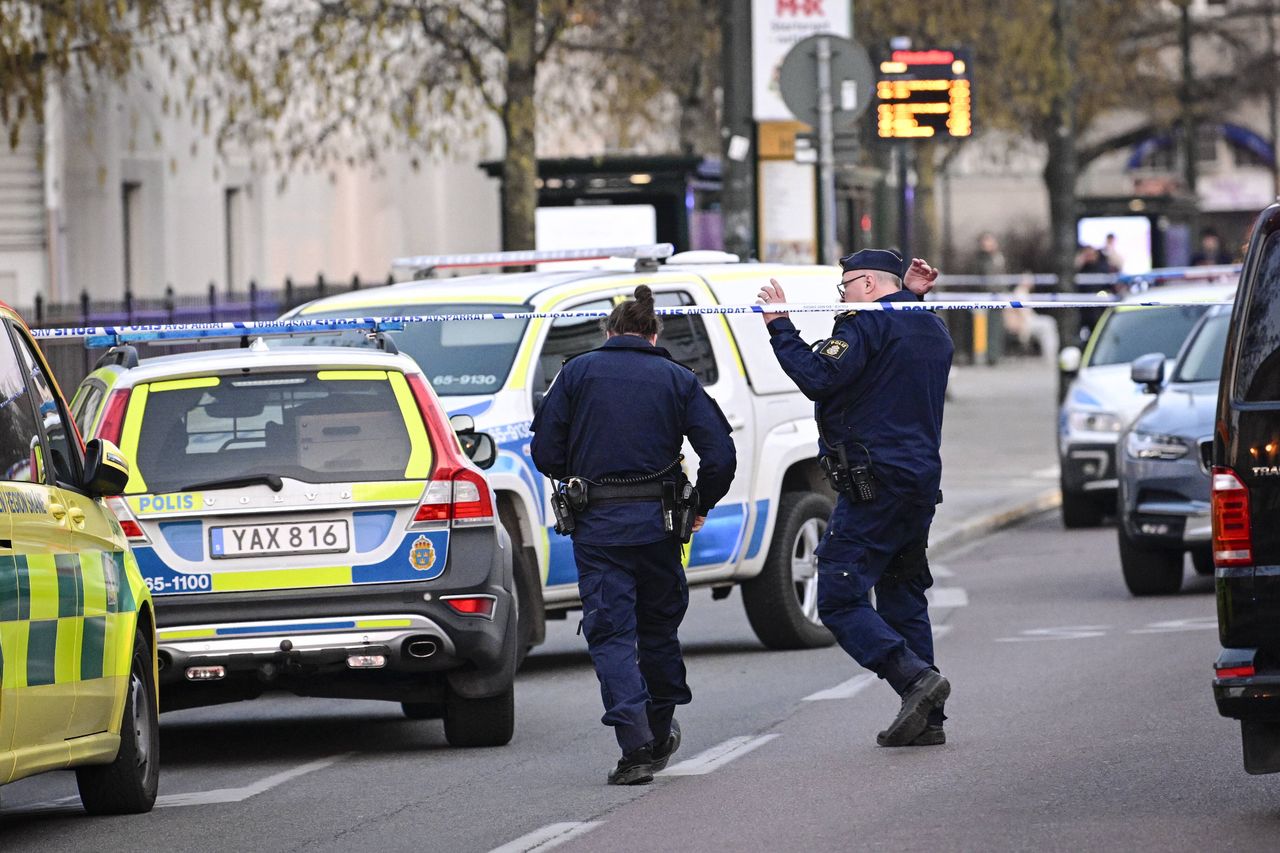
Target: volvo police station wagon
point(77, 660)
point(761, 537)
point(308, 521)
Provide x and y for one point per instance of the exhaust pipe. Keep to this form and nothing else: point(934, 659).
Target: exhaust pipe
point(422, 648)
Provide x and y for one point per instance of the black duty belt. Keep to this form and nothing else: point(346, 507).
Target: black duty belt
point(636, 492)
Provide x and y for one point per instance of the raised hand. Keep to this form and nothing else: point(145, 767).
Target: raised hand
point(920, 277)
point(771, 294)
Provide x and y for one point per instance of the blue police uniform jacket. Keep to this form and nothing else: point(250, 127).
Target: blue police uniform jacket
point(880, 380)
point(623, 410)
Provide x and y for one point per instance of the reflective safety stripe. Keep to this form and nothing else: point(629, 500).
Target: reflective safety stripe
point(384, 623)
point(185, 384)
point(338, 375)
point(419, 467)
point(281, 579)
point(42, 580)
point(392, 491)
point(178, 634)
point(129, 437)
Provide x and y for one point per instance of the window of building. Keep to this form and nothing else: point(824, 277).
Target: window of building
point(131, 218)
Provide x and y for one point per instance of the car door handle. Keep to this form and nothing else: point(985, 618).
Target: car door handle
point(57, 510)
point(736, 423)
point(77, 515)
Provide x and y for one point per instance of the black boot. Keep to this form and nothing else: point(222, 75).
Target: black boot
point(662, 752)
point(924, 694)
point(634, 768)
point(931, 736)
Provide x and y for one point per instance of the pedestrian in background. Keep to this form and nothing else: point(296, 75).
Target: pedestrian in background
point(614, 420)
point(1111, 254)
point(878, 384)
point(991, 260)
point(1211, 252)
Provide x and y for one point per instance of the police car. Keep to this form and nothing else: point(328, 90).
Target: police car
point(309, 521)
point(761, 537)
point(77, 661)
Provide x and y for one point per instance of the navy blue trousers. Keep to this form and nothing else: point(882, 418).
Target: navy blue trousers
point(633, 600)
point(893, 638)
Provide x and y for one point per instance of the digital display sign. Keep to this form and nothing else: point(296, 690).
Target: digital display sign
point(922, 94)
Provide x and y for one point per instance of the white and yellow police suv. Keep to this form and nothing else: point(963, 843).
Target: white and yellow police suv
point(308, 520)
point(763, 534)
point(77, 666)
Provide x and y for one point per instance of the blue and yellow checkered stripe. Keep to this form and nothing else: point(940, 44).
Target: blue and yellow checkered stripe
point(53, 606)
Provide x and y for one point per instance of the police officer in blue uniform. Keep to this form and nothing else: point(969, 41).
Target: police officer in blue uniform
point(609, 434)
point(878, 383)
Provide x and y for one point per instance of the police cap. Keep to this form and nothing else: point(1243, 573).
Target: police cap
point(883, 260)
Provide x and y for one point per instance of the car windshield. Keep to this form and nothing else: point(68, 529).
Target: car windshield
point(319, 427)
point(1128, 334)
point(1202, 360)
point(459, 357)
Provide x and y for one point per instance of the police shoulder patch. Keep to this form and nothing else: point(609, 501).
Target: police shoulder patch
point(835, 348)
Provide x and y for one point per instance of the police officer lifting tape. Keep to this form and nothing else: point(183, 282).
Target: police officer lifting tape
point(878, 384)
point(609, 434)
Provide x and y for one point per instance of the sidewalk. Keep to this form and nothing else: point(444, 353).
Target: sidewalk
point(999, 461)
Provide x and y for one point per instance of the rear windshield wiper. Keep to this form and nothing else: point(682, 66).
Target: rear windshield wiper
point(272, 480)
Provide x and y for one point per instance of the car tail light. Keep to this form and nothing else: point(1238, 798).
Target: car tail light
point(128, 523)
point(459, 496)
point(471, 605)
point(1232, 533)
point(1247, 671)
point(113, 415)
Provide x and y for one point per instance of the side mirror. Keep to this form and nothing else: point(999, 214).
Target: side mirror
point(462, 423)
point(1148, 371)
point(481, 448)
point(1069, 359)
point(106, 471)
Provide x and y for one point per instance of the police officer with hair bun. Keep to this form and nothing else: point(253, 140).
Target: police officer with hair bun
point(878, 384)
point(609, 434)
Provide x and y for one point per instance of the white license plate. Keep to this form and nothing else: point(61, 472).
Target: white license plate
point(308, 537)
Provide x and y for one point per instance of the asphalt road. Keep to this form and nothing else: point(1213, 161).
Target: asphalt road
point(1080, 719)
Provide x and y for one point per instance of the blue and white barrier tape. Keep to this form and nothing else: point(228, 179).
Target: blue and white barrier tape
point(100, 336)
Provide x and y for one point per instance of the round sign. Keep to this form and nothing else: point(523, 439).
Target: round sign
point(852, 80)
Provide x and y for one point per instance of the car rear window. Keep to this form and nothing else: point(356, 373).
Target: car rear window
point(318, 427)
point(1257, 377)
point(1202, 360)
point(1128, 334)
point(459, 357)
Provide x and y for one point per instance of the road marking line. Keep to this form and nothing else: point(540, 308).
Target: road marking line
point(847, 690)
point(1068, 632)
point(236, 795)
point(717, 756)
point(1049, 473)
point(948, 596)
point(552, 835)
point(1196, 623)
point(941, 572)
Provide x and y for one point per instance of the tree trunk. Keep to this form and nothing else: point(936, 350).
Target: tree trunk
point(1060, 181)
point(520, 162)
point(925, 244)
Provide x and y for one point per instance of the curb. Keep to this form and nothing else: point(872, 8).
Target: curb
point(978, 527)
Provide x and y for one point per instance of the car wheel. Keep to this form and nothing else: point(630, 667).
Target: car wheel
point(1079, 510)
point(1202, 561)
point(531, 615)
point(128, 784)
point(480, 722)
point(782, 601)
point(1149, 571)
point(422, 710)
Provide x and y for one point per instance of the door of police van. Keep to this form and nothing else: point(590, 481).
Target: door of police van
point(89, 569)
point(702, 343)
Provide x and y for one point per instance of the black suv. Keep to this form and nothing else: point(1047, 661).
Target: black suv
point(1246, 505)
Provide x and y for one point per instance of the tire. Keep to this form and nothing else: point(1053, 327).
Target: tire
point(1149, 571)
point(128, 784)
point(531, 614)
point(422, 710)
point(1202, 561)
point(480, 722)
point(783, 611)
point(1080, 511)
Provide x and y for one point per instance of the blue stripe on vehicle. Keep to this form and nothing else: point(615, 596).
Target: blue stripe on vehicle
point(757, 531)
point(277, 629)
point(562, 568)
point(720, 536)
point(186, 538)
point(372, 528)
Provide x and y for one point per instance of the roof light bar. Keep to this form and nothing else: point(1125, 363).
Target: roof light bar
point(643, 252)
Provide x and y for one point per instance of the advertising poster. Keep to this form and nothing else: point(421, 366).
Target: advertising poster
point(775, 26)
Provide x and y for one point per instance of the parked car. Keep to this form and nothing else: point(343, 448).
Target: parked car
point(1163, 466)
point(761, 537)
point(1102, 400)
point(77, 638)
point(307, 521)
point(1246, 505)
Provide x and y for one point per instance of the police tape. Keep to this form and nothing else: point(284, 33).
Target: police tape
point(100, 336)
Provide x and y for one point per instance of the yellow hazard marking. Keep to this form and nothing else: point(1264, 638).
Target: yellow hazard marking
point(129, 437)
point(185, 384)
point(339, 375)
point(281, 579)
point(419, 467)
point(180, 634)
point(393, 491)
point(66, 655)
point(42, 574)
point(13, 637)
point(384, 623)
point(95, 583)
